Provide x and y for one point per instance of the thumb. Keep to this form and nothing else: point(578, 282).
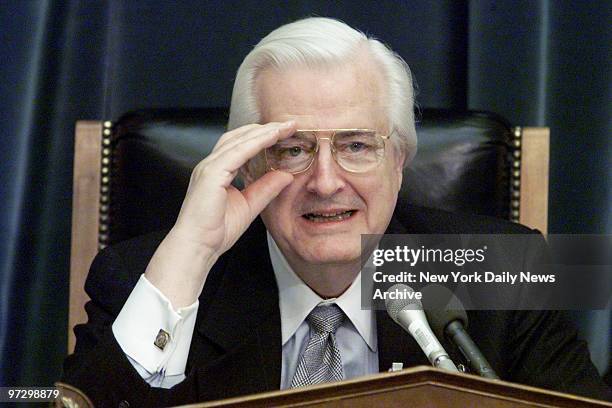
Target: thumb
point(265, 189)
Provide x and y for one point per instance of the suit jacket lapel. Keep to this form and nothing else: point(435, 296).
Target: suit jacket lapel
point(395, 344)
point(243, 318)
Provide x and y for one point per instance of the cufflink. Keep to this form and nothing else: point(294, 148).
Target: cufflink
point(162, 338)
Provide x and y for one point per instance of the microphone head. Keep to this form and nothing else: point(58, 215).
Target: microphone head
point(394, 306)
point(448, 308)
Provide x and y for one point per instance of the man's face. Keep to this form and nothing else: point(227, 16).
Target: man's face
point(344, 97)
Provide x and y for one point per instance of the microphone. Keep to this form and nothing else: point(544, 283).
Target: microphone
point(452, 321)
point(408, 313)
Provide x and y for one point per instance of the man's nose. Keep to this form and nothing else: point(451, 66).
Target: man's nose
point(326, 177)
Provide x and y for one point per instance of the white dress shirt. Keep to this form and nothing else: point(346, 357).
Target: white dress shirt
point(147, 311)
point(356, 337)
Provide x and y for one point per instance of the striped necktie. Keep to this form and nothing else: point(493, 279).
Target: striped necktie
point(321, 361)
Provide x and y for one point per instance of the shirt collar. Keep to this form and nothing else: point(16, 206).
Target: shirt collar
point(296, 300)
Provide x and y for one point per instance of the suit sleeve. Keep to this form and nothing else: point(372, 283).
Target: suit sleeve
point(99, 366)
point(155, 336)
point(545, 350)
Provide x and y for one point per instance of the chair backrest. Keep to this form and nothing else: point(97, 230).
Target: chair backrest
point(131, 176)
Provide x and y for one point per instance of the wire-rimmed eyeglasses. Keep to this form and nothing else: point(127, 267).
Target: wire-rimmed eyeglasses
point(355, 150)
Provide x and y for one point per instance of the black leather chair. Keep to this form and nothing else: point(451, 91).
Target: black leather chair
point(154, 151)
point(131, 176)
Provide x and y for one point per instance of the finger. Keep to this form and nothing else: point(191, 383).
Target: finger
point(266, 131)
point(227, 161)
point(265, 189)
point(235, 134)
point(235, 155)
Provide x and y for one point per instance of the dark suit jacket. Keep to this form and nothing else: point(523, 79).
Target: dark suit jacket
point(236, 346)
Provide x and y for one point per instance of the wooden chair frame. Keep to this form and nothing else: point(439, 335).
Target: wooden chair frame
point(529, 198)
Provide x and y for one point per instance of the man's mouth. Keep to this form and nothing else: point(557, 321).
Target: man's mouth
point(333, 216)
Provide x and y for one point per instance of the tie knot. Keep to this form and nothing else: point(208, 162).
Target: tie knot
point(326, 319)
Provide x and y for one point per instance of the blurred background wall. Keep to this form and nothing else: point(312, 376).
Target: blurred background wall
point(538, 63)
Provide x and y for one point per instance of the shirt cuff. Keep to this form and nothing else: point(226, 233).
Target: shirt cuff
point(145, 313)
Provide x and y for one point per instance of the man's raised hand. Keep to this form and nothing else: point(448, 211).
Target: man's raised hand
point(214, 213)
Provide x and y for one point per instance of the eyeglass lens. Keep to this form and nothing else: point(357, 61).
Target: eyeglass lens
point(354, 150)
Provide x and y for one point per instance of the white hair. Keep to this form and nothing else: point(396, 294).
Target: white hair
point(315, 42)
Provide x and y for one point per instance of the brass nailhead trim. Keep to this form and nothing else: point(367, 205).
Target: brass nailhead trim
point(103, 219)
point(515, 175)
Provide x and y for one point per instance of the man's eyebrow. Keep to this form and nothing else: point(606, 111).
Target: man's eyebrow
point(337, 130)
point(359, 131)
point(305, 131)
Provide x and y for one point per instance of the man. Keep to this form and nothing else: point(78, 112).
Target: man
point(320, 126)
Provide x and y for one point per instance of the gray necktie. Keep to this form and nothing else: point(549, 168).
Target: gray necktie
point(321, 361)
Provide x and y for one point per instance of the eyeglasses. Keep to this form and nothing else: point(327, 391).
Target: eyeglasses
point(355, 150)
